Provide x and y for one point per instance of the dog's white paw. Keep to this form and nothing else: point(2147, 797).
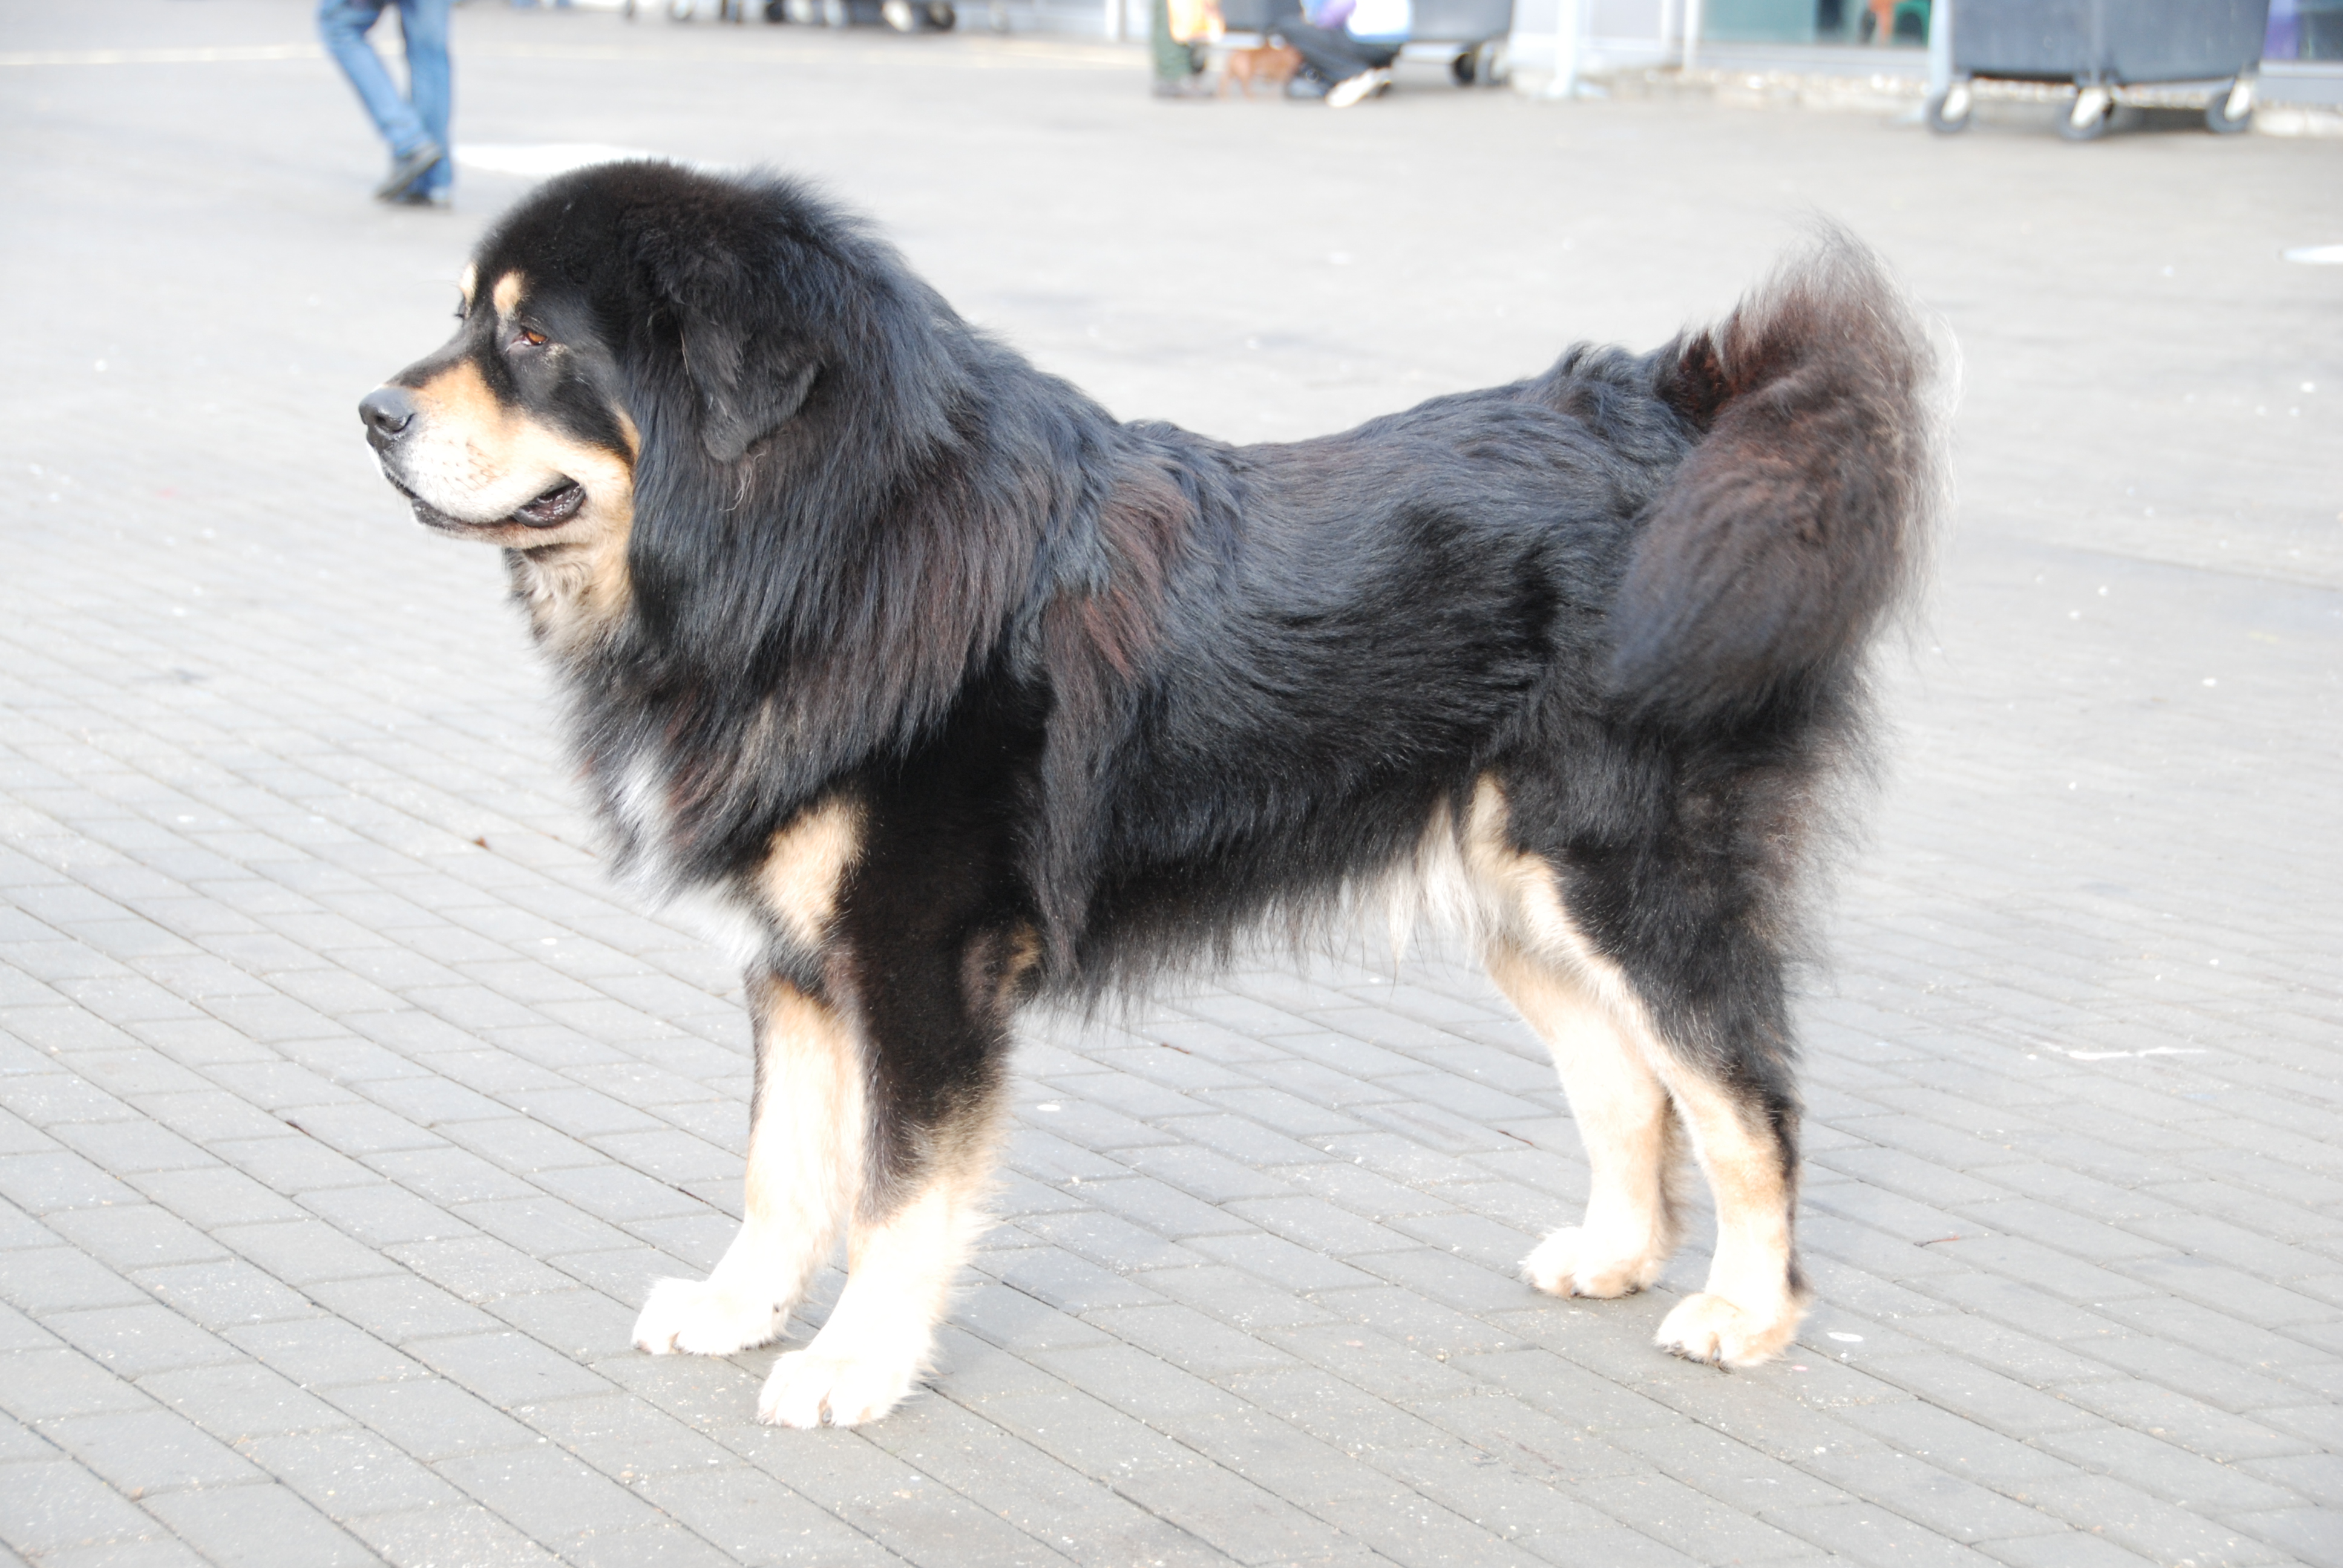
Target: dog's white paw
point(703, 1318)
point(1567, 1264)
point(1709, 1328)
point(808, 1389)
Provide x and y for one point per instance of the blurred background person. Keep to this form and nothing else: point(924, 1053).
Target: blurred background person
point(415, 123)
point(1348, 45)
point(1178, 32)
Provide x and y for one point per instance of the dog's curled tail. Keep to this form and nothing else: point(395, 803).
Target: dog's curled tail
point(1801, 515)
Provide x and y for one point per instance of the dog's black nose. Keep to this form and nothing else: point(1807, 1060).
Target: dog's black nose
point(387, 411)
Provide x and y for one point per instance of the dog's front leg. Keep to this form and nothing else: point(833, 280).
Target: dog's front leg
point(900, 1269)
point(807, 1127)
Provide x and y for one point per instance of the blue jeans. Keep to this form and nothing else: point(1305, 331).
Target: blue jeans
point(420, 115)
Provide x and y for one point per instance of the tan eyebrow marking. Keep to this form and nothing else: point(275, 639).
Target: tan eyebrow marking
point(507, 293)
point(468, 281)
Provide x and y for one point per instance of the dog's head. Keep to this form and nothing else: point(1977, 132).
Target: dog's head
point(516, 432)
point(653, 369)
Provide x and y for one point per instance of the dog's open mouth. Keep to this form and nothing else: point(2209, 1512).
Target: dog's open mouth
point(555, 507)
point(557, 504)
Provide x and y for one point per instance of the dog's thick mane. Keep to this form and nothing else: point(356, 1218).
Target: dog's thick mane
point(813, 591)
point(859, 522)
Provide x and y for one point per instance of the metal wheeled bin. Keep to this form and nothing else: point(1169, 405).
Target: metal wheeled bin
point(2102, 46)
point(1474, 29)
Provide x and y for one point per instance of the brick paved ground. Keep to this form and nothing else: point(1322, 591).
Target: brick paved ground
point(347, 1112)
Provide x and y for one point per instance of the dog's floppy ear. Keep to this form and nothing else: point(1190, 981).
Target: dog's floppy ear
point(750, 383)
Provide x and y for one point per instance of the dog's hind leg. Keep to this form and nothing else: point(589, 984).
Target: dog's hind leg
point(1664, 1003)
point(1624, 1118)
point(1748, 1310)
point(1703, 1000)
point(807, 1134)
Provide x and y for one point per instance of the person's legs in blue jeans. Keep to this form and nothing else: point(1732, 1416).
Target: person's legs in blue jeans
point(406, 126)
point(429, 80)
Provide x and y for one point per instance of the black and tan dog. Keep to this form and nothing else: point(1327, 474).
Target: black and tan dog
point(939, 691)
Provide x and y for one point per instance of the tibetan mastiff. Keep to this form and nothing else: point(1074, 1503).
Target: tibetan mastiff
point(942, 692)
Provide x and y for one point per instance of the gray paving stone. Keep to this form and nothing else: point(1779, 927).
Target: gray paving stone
point(53, 1506)
point(2313, 1534)
point(322, 1352)
point(161, 1552)
point(1236, 1297)
point(305, 1252)
point(257, 1524)
point(550, 1495)
point(223, 1293)
point(2130, 1518)
point(349, 1472)
point(757, 1518)
point(478, 1268)
point(2076, 1549)
point(293, 1165)
point(383, 1215)
point(466, 1535)
point(1950, 1507)
point(127, 1237)
point(131, 1342)
point(2318, 1477)
point(1866, 1533)
point(214, 1196)
point(148, 1449)
point(428, 1417)
point(506, 1368)
point(240, 1400)
point(56, 1179)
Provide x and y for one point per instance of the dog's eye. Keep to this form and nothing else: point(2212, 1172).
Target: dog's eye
point(529, 338)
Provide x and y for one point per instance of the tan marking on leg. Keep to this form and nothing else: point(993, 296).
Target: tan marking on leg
point(806, 1143)
point(1748, 1312)
point(1024, 955)
point(806, 865)
point(901, 1269)
point(507, 294)
point(1622, 1110)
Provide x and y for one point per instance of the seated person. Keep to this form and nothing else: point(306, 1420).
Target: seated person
point(1349, 44)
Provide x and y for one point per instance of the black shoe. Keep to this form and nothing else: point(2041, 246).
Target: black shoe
point(409, 168)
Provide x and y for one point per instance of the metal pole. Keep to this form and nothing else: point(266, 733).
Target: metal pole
point(1692, 32)
point(1940, 47)
point(1567, 27)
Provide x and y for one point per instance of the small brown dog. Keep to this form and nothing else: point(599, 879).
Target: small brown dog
point(1271, 64)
